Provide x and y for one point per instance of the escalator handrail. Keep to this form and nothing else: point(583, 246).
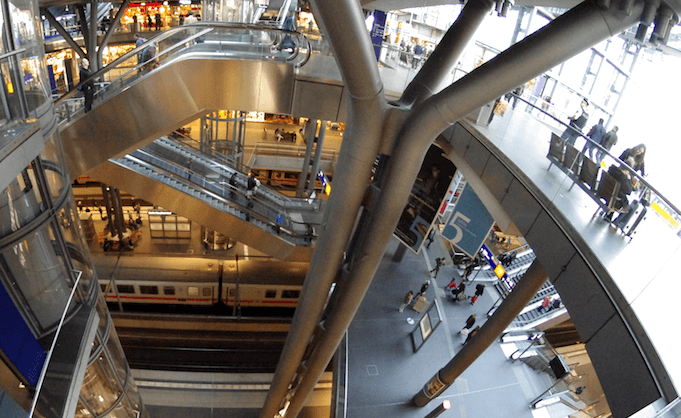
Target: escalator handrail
point(207, 27)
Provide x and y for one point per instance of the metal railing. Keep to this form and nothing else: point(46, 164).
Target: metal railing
point(212, 40)
point(661, 204)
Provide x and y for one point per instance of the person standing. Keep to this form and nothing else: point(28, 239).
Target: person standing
point(190, 19)
point(596, 134)
point(159, 22)
point(608, 142)
point(424, 287)
point(469, 324)
point(87, 88)
point(406, 300)
point(150, 24)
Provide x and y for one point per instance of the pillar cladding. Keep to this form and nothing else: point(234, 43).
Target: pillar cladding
point(522, 293)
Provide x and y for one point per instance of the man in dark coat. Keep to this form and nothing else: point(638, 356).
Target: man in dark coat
point(596, 135)
point(609, 140)
point(88, 88)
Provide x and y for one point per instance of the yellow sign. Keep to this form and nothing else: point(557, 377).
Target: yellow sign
point(499, 271)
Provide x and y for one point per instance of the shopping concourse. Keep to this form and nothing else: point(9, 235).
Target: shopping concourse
point(269, 210)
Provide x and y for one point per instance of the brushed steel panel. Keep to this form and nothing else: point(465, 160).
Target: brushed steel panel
point(521, 206)
point(317, 100)
point(200, 212)
point(553, 249)
point(168, 98)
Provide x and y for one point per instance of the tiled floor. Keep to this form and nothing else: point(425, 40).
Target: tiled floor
point(384, 371)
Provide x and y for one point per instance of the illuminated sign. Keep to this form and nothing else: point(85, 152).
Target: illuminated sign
point(499, 271)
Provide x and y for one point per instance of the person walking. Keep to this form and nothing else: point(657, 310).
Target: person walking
point(159, 22)
point(471, 334)
point(596, 134)
point(609, 140)
point(406, 300)
point(424, 287)
point(469, 324)
point(577, 122)
point(458, 290)
point(468, 271)
point(479, 289)
point(439, 262)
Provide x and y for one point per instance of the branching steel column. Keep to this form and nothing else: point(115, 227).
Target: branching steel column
point(522, 294)
point(444, 58)
point(577, 30)
point(64, 34)
point(342, 23)
point(112, 28)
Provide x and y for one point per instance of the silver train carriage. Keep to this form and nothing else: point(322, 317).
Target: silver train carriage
point(261, 282)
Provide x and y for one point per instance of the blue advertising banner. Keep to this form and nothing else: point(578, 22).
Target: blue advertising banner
point(377, 32)
point(469, 223)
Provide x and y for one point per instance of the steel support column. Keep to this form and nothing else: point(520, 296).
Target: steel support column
point(441, 62)
point(522, 294)
point(342, 22)
point(64, 34)
point(575, 31)
point(112, 28)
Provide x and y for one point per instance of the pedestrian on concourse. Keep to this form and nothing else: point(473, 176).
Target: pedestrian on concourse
point(596, 135)
point(424, 287)
point(471, 334)
point(406, 300)
point(468, 271)
point(469, 324)
point(478, 292)
point(439, 262)
point(608, 141)
point(458, 290)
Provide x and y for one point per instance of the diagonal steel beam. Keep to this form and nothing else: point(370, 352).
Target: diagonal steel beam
point(429, 80)
point(342, 23)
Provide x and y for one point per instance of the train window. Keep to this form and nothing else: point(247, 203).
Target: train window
point(290, 294)
point(207, 291)
point(125, 288)
point(168, 290)
point(149, 290)
point(232, 292)
point(270, 293)
point(103, 286)
point(193, 291)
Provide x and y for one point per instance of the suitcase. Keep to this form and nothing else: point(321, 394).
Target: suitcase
point(639, 214)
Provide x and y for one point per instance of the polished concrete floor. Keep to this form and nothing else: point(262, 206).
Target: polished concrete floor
point(385, 372)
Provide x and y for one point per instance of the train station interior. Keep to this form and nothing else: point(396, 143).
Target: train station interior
point(290, 208)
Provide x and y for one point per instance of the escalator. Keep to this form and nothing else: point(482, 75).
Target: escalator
point(275, 225)
point(199, 69)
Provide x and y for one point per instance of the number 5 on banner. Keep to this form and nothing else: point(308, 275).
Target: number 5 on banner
point(459, 232)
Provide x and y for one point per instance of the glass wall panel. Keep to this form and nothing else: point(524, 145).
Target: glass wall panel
point(100, 389)
point(116, 355)
point(20, 202)
point(52, 157)
point(27, 34)
point(38, 274)
point(124, 409)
